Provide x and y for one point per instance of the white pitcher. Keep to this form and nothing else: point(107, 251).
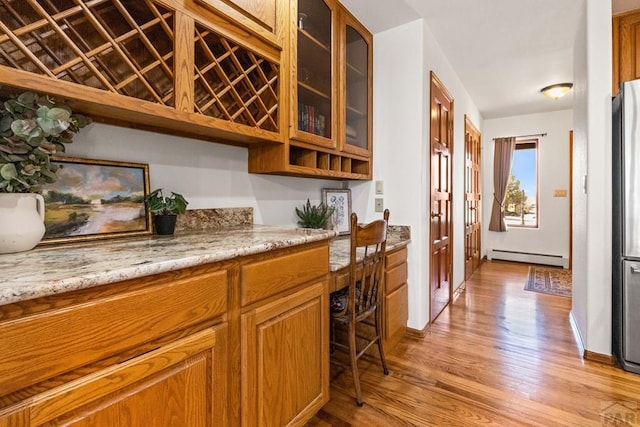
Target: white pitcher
point(21, 221)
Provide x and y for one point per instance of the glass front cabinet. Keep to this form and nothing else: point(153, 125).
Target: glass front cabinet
point(331, 71)
point(356, 84)
point(313, 72)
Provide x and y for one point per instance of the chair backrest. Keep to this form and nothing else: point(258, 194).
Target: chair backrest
point(368, 246)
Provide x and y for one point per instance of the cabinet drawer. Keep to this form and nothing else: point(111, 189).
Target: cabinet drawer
point(43, 345)
point(395, 276)
point(396, 257)
point(128, 393)
point(266, 278)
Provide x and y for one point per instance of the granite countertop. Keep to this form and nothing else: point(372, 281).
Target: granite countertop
point(47, 271)
point(340, 247)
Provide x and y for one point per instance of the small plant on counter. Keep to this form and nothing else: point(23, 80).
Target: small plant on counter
point(312, 216)
point(33, 127)
point(158, 204)
point(165, 209)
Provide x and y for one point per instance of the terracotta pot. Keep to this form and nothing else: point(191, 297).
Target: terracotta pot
point(21, 221)
point(165, 224)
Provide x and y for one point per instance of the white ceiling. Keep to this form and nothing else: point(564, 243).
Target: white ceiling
point(504, 51)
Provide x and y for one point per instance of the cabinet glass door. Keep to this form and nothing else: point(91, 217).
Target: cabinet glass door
point(314, 72)
point(357, 89)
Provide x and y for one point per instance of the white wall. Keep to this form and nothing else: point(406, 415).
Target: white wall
point(552, 235)
point(591, 309)
point(403, 59)
point(209, 175)
point(397, 137)
point(436, 61)
point(580, 150)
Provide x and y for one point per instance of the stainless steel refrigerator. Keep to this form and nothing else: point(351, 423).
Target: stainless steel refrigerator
point(626, 226)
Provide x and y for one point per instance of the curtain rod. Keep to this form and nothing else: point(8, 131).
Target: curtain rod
point(528, 136)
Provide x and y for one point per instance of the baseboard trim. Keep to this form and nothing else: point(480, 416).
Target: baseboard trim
point(459, 290)
point(592, 356)
point(418, 333)
point(576, 333)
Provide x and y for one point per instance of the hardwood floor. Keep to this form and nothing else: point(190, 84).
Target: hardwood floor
point(498, 356)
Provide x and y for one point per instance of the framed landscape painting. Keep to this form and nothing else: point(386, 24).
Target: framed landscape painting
point(96, 199)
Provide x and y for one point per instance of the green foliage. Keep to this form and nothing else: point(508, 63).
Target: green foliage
point(314, 216)
point(32, 128)
point(158, 204)
point(516, 200)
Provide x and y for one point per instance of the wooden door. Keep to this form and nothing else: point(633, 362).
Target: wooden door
point(441, 129)
point(285, 364)
point(472, 190)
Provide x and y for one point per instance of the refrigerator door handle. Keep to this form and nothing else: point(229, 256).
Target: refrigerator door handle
point(634, 269)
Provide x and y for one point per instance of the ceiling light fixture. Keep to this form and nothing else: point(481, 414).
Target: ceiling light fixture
point(557, 91)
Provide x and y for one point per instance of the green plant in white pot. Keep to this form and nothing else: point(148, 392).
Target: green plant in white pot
point(165, 210)
point(32, 128)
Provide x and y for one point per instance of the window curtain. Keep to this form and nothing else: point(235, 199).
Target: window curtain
point(502, 159)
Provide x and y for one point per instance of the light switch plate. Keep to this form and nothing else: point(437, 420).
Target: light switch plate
point(379, 187)
point(379, 205)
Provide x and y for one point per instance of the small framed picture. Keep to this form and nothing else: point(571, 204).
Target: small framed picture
point(96, 199)
point(340, 200)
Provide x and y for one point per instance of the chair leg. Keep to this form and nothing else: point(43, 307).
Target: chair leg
point(383, 359)
point(354, 362)
point(332, 335)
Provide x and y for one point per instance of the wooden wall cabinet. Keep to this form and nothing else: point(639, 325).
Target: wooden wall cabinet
point(167, 65)
point(330, 121)
point(357, 62)
point(396, 302)
point(239, 342)
point(314, 98)
point(626, 48)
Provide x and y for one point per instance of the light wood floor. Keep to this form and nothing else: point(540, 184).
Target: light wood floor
point(499, 356)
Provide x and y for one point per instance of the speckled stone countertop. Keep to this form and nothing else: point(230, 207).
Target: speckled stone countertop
point(340, 247)
point(48, 271)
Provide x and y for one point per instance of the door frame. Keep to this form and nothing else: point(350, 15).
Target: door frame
point(469, 126)
point(570, 199)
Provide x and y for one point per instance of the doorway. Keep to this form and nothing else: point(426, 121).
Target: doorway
point(472, 190)
point(441, 152)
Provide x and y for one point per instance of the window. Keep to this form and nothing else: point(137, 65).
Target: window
point(521, 203)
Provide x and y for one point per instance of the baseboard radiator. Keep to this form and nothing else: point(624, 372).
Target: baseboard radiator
point(556, 260)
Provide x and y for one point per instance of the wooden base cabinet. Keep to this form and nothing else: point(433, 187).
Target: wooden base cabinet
point(238, 342)
point(144, 352)
point(175, 385)
point(396, 303)
point(285, 369)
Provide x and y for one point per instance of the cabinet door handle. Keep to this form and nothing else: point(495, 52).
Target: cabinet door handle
point(435, 215)
point(635, 269)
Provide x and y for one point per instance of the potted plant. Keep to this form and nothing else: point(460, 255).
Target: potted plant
point(165, 210)
point(312, 216)
point(33, 127)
